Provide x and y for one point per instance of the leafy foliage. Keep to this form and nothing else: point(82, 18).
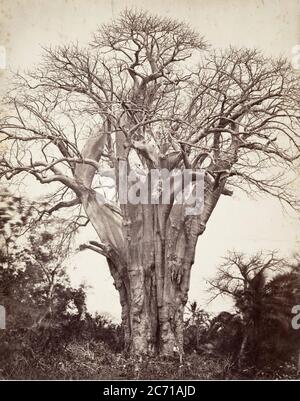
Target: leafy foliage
point(50, 334)
point(264, 290)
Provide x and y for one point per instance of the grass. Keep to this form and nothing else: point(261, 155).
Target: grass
point(95, 361)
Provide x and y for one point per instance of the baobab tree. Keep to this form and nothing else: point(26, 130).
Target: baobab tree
point(147, 92)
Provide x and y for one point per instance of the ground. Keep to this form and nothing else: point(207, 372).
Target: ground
point(96, 362)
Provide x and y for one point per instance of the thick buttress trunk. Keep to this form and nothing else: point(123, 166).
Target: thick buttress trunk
point(150, 255)
point(160, 252)
point(150, 251)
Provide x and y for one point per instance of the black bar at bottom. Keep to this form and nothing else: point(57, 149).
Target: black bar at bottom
point(115, 389)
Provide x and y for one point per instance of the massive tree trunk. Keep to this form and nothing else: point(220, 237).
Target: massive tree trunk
point(150, 250)
point(160, 253)
point(151, 269)
point(150, 253)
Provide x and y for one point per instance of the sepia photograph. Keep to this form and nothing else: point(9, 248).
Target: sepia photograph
point(149, 193)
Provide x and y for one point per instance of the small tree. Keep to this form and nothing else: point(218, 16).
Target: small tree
point(196, 323)
point(147, 93)
point(34, 286)
point(264, 297)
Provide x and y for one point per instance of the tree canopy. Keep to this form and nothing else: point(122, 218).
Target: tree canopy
point(140, 89)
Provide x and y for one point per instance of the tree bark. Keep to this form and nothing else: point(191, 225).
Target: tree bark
point(160, 248)
point(150, 250)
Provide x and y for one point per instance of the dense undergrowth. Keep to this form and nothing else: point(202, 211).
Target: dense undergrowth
point(95, 361)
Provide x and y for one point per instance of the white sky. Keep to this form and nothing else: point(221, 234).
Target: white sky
point(237, 223)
